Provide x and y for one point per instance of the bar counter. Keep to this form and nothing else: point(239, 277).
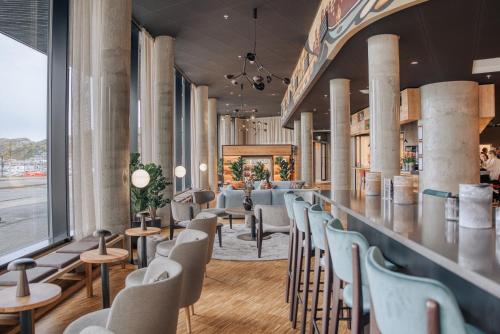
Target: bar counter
point(422, 242)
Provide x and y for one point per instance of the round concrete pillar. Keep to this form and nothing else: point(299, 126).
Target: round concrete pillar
point(296, 143)
point(306, 147)
point(383, 71)
point(212, 143)
point(340, 133)
point(201, 137)
point(449, 119)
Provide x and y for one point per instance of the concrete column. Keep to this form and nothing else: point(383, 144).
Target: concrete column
point(163, 114)
point(112, 115)
point(212, 143)
point(306, 137)
point(297, 143)
point(340, 132)
point(449, 118)
point(383, 68)
point(201, 137)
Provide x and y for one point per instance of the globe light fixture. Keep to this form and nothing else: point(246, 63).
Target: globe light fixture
point(140, 178)
point(203, 167)
point(180, 171)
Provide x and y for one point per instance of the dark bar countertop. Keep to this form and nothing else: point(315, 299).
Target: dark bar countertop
point(473, 254)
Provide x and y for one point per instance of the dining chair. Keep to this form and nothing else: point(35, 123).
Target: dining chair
point(182, 213)
point(151, 306)
point(409, 304)
point(205, 222)
point(270, 219)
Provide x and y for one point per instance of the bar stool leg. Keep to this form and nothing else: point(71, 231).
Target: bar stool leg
point(315, 296)
point(327, 293)
point(293, 275)
point(305, 289)
point(298, 278)
point(357, 303)
point(289, 262)
point(334, 329)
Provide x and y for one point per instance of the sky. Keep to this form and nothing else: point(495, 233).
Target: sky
point(23, 91)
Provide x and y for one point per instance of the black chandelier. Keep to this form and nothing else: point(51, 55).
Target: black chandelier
point(263, 74)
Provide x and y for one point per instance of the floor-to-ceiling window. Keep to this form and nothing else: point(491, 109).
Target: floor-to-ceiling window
point(25, 110)
point(182, 126)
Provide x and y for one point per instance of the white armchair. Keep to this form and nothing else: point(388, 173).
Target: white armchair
point(270, 219)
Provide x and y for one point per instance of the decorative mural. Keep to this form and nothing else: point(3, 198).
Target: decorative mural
point(335, 22)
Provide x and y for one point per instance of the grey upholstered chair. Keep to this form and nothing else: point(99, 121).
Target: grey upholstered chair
point(202, 197)
point(182, 213)
point(149, 307)
point(205, 222)
point(190, 250)
point(270, 219)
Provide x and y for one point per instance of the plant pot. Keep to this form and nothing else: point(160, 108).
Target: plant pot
point(247, 203)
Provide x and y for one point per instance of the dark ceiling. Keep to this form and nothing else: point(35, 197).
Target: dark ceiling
point(207, 45)
point(444, 36)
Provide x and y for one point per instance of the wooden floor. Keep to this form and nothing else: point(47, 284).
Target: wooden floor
point(238, 297)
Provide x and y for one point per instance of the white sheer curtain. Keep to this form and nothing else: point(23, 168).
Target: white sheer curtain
point(146, 45)
point(259, 131)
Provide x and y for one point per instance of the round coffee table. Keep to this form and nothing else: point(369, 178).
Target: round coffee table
point(113, 255)
point(252, 236)
point(41, 294)
point(139, 232)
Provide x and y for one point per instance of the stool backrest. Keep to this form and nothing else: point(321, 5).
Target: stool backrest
point(289, 198)
point(149, 308)
point(400, 301)
point(203, 196)
point(298, 211)
point(340, 245)
point(317, 221)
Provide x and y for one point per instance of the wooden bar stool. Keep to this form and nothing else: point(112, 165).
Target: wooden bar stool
point(429, 306)
point(303, 267)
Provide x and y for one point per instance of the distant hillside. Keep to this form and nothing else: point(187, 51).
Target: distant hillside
point(21, 148)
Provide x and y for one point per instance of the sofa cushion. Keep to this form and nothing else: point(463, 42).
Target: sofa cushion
point(278, 196)
point(282, 184)
point(35, 275)
point(263, 196)
point(57, 260)
point(78, 247)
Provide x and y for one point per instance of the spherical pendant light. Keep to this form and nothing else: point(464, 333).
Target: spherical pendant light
point(140, 178)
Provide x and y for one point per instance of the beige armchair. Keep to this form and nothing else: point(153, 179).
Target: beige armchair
point(206, 222)
point(182, 213)
point(149, 307)
point(270, 219)
point(204, 197)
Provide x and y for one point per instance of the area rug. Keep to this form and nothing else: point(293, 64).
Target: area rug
point(234, 249)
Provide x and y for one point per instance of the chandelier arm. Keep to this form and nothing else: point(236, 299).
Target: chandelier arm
point(276, 76)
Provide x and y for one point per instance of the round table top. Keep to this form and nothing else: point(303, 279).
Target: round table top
point(114, 255)
point(238, 211)
point(41, 294)
point(139, 232)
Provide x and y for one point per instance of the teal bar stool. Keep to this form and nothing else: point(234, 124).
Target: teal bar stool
point(303, 267)
point(289, 198)
point(409, 304)
point(347, 252)
point(317, 222)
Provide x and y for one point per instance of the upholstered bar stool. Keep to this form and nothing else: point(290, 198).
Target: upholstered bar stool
point(303, 267)
point(289, 198)
point(317, 221)
point(412, 305)
point(347, 252)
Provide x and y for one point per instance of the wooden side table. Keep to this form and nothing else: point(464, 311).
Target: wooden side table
point(113, 255)
point(139, 232)
point(41, 294)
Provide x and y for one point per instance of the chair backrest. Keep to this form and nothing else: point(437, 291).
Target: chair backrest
point(317, 221)
point(205, 222)
point(400, 300)
point(203, 196)
point(298, 212)
point(190, 251)
point(340, 245)
point(274, 215)
point(183, 210)
point(289, 198)
point(151, 307)
point(437, 193)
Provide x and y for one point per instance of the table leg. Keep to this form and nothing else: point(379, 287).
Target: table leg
point(105, 285)
point(26, 320)
point(144, 253)
point(254, 232)
point(231, 222)
point(219, 233)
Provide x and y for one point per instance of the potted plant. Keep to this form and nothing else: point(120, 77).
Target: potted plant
point(151, 197)
point(259, 171)
point(236, 168)
point(284, 168)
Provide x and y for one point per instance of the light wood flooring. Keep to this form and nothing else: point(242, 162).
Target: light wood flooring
point(238, 297)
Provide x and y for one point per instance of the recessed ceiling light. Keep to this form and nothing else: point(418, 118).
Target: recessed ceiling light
point(273, 94)
point(239, 56)
point(314, 109)
point(227, 104)
point(364, 91)
point(414, 62)
point(488, 76)
point(231, 93)
point(326, 95)
point(226, 16)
